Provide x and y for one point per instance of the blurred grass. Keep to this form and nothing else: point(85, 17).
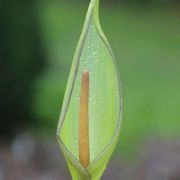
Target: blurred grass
point(146, 44)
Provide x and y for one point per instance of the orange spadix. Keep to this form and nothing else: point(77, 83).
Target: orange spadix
point(84, 154)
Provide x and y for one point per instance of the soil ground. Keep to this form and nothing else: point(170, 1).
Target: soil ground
point(29, 159)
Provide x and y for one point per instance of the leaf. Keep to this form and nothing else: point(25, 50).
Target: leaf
point(94, 54)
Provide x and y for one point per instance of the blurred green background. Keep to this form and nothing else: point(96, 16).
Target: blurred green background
point(38, 40)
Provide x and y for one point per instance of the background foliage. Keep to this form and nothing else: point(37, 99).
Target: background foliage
point(21, 61)
point(38, 39)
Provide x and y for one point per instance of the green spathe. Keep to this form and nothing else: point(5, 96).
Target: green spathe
point(94, 54)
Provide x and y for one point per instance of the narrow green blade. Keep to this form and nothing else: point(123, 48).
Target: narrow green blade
point(94, 54)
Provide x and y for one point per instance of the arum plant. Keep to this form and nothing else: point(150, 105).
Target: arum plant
point(90, 119)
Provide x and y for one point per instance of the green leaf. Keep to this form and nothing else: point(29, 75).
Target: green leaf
point(94, 54)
